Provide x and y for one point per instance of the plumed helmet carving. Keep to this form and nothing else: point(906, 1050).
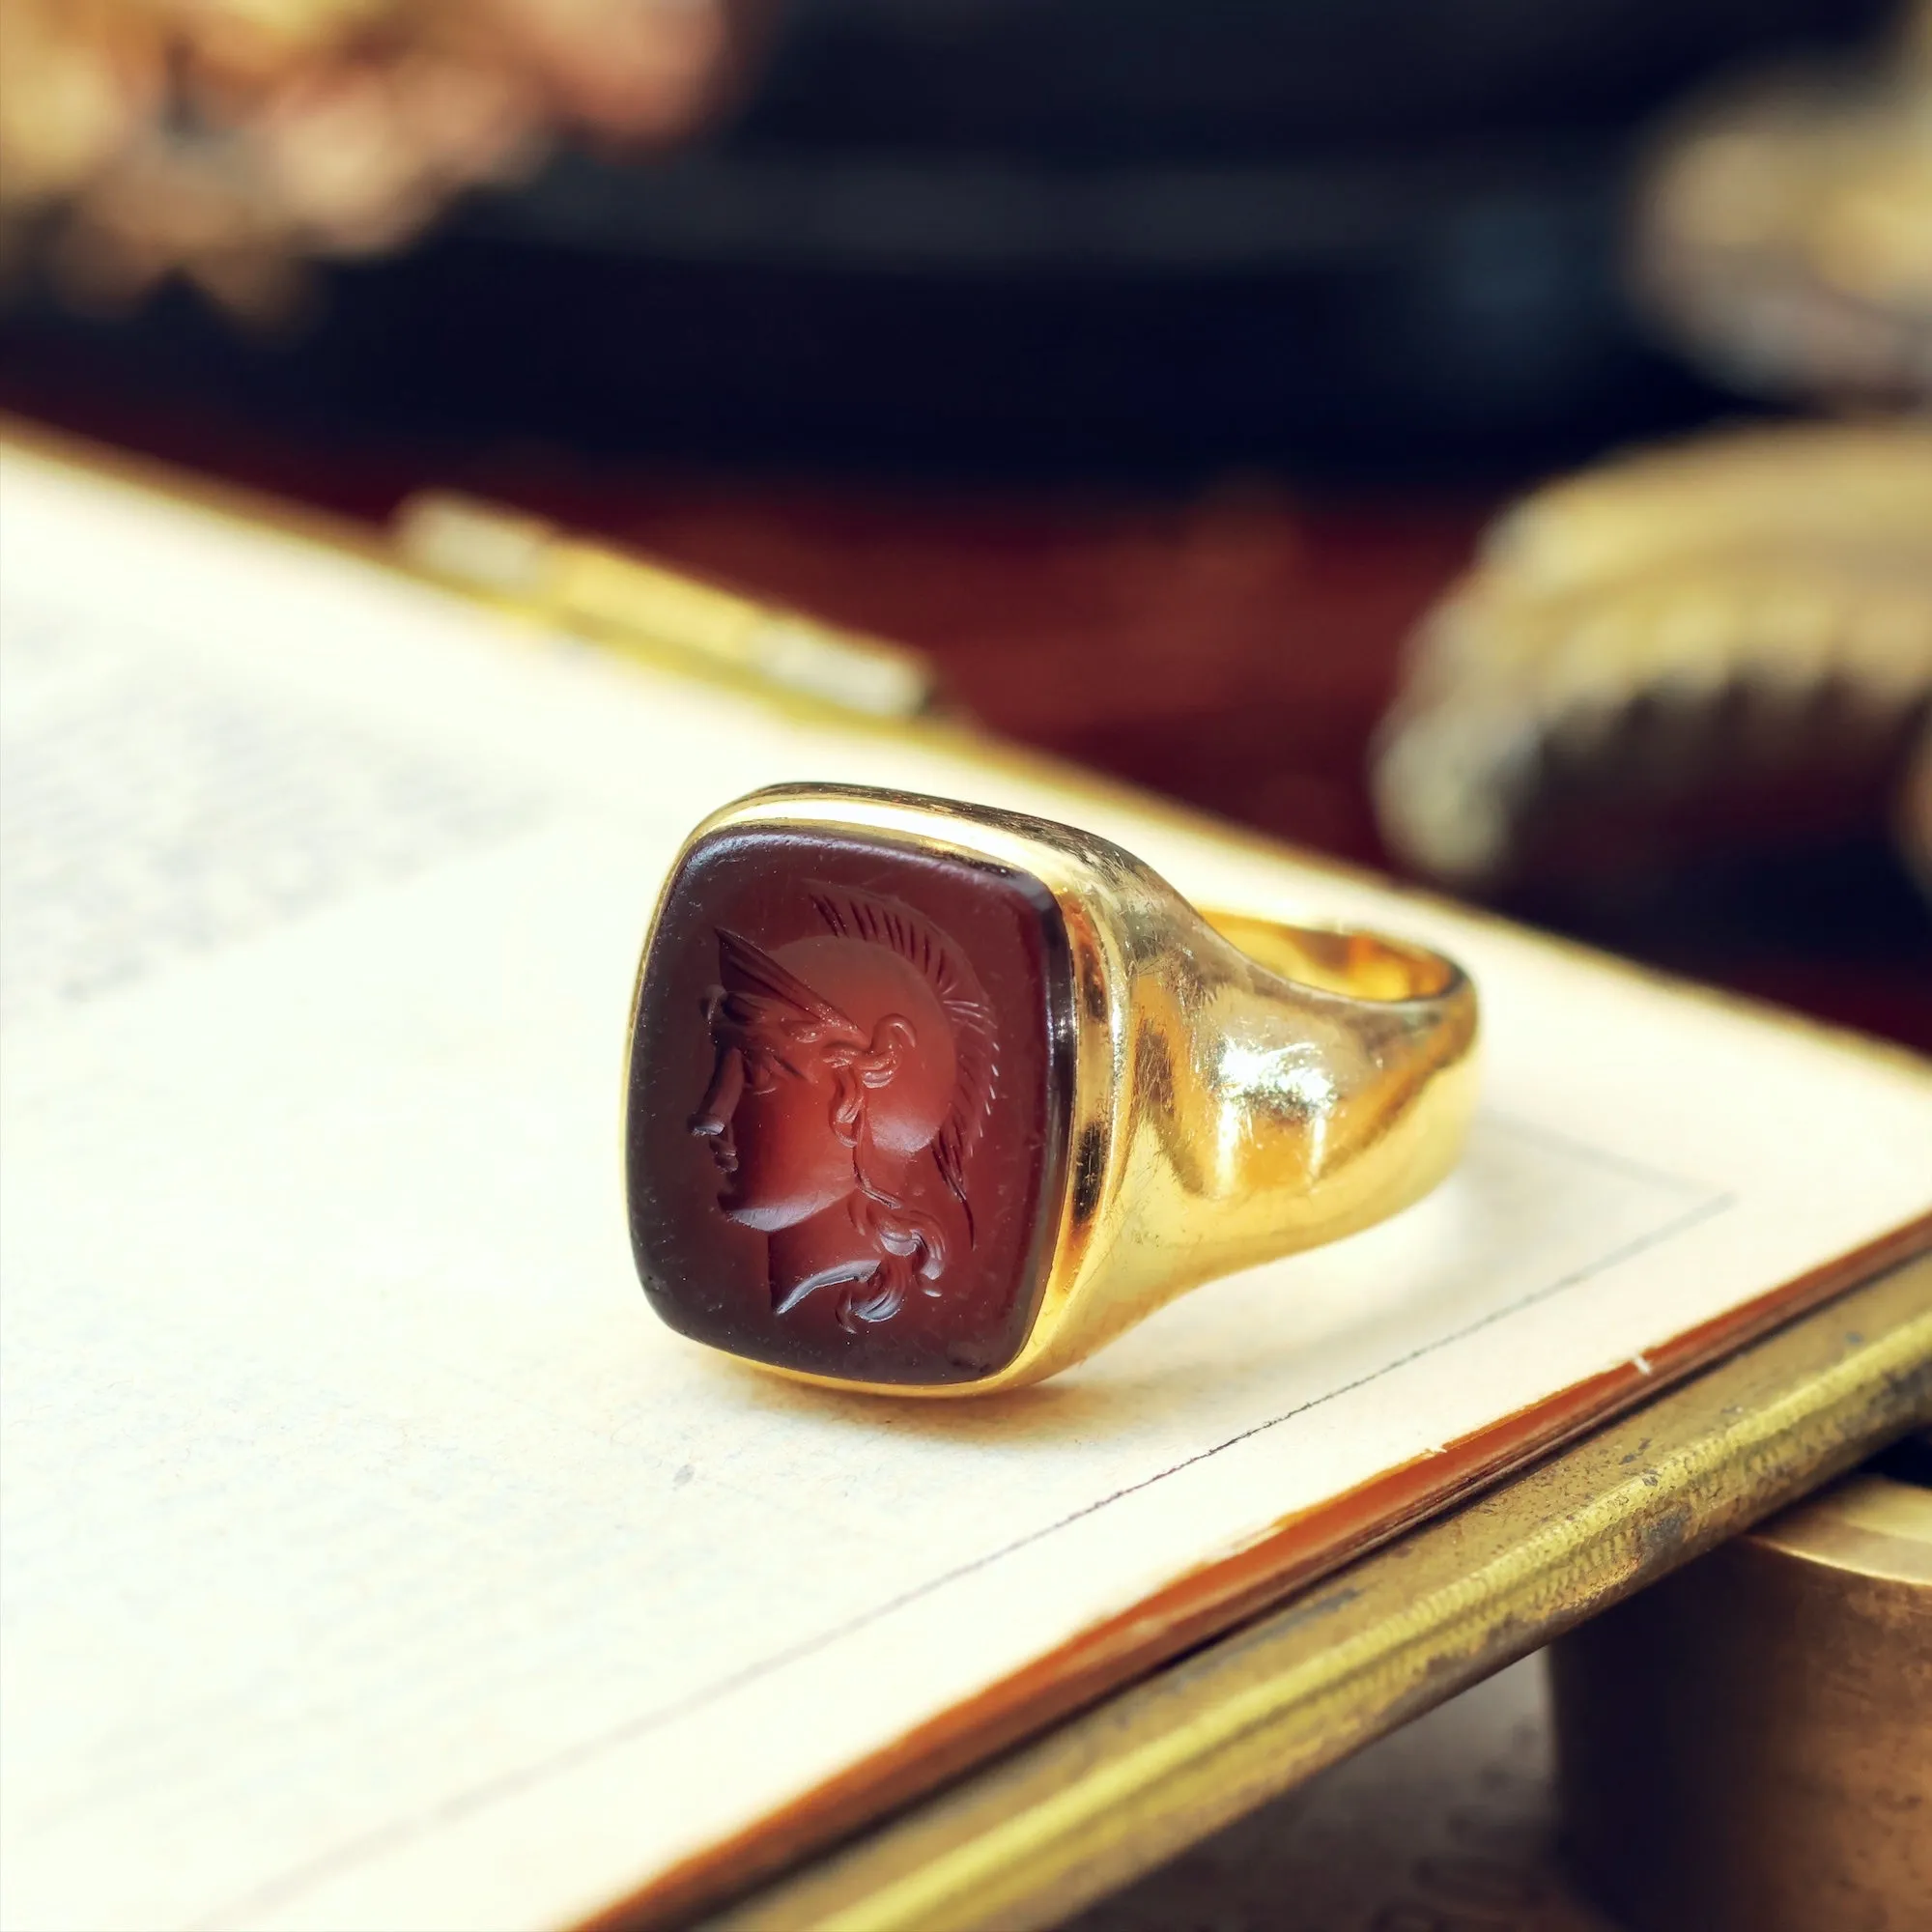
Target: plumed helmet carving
point(885, 1000)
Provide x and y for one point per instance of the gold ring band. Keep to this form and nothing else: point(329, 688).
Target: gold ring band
point(927, 1098)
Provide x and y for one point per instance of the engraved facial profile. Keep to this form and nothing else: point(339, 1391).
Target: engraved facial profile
point(822, 1170)
point(843, 1059)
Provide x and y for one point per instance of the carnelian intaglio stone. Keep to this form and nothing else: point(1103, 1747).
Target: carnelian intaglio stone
point(847, 1115)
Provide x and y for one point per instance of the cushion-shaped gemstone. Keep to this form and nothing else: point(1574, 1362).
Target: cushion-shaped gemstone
point(846, 1120)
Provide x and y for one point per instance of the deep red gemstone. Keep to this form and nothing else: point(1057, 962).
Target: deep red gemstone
point(846, 1127)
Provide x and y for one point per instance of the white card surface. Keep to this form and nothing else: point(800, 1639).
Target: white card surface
point(373, 1556)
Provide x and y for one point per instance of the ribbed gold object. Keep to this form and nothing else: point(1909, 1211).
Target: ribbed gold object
point(1743, 610)
point(1747, 1745)
point(1784, 232)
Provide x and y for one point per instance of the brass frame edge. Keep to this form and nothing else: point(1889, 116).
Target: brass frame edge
point(1123, 1787)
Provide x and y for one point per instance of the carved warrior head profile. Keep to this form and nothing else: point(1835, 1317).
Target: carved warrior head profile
point(842, 1058)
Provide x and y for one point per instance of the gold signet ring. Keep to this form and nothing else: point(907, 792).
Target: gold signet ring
point(932, 1100)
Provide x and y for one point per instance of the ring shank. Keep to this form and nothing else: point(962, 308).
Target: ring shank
point(1357, 964)
point(1283, 1086)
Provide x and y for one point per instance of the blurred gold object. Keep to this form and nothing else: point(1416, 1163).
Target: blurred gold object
point(1915, 814)
point(1733, 610)
point(626, 600)
point(228, 139)
point(1785, 233)
point(1747, 1746)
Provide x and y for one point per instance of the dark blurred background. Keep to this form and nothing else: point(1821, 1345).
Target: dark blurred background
point(1156, 366)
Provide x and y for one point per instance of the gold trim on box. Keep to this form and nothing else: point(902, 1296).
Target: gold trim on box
point(1154, 1769)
